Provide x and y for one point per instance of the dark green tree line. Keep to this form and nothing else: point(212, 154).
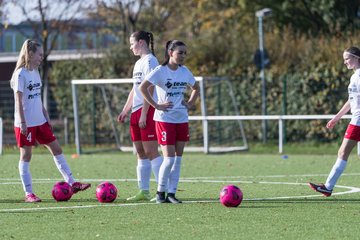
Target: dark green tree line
point(304, 39)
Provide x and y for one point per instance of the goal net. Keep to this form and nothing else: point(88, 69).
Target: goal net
point(97, 103)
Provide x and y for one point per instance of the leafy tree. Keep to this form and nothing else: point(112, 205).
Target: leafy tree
point(50, 20)
point(122, 17)
point(315, 16)
point(222, 37)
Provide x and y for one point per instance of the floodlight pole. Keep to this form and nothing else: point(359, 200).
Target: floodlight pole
point(260, 15)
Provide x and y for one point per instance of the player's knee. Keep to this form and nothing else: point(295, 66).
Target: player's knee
point(151, 153)
point(26, 157)
point(342, 154)
point(141, 155)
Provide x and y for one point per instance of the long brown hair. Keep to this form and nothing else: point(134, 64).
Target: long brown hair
point(148, 37)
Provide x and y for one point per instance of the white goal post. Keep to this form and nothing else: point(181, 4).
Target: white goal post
point(1, 136)
point(206, 148)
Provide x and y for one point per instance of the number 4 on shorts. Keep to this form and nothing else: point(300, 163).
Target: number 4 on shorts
point(29, 137)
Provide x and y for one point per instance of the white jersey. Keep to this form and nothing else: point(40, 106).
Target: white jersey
point(354, 97)
point(142, 67)
point(29, 83)
point(170, 87)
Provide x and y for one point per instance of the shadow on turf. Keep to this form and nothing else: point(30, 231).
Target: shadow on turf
point(304, 200)
point(49, 200)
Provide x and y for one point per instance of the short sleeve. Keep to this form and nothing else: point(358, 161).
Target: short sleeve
point(19, 81)
point(191, 78)
point(155, 76)
point(151, 64)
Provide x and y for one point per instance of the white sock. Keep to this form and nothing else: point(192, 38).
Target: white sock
point(335, 173)
point(64, 168)
point(143, 171)
point(155, 165)
point(164, 173)
point(174, 175)
point(25, 176)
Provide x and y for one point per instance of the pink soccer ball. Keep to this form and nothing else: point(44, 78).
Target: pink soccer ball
point(231, 196)
point(62, 191)
point(106, 192)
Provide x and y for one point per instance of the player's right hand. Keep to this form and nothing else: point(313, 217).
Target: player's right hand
point(331, 123)
point(23, 129)
point(164, 106)
point(122, 116)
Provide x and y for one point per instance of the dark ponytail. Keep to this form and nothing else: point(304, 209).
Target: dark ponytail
point(170, 46)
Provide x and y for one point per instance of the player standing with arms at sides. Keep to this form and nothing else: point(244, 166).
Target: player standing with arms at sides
point(32, 121)
point(352, 135)
point(142, 125)
point(171, 115)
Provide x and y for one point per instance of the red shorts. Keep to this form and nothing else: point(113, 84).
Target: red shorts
point(42, 134)
point(170, 133)
point(352, 132)
point(142, 134)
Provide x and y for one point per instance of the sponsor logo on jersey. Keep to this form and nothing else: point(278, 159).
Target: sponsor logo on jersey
point(173, 94)
point(168, 84)
point(33, 86)
point(179, 84)
point(137, 74)
point(36, 95)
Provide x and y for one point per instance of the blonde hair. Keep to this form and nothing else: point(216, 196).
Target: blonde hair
point(24, 56)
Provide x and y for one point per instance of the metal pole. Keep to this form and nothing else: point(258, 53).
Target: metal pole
point(66, 130)
point(280, 135)
point(1, 136)
point(204, 114)
point(76, 119)
point(262, 76)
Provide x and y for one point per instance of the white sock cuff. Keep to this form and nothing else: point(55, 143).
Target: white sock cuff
point(340, 162)
point(157, 161)
point(59, 157)
point(169, 160)
point(178, 159)
point(144, 162)
point(24, 167)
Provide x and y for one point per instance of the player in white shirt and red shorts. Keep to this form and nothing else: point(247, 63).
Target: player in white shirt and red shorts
point(31, 120)
point(142, 125)
point(352, 135)
point(171, 79)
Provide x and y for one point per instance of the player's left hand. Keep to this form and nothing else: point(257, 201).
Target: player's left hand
point(186, 104)
point(142, 121)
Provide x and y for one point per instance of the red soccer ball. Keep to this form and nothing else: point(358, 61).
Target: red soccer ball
point(106, 192)
point(231, 196)
point(62, 191)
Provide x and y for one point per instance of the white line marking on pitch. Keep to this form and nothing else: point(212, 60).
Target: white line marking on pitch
point(200, 180)
point(187, 178)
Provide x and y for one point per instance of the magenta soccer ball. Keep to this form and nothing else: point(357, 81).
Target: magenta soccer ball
point(62, 191)
point(106, 192)
point(231, 196)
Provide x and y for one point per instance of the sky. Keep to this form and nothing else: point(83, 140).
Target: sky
point(13, 13)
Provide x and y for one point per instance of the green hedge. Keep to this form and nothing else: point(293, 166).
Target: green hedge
point(316, 82)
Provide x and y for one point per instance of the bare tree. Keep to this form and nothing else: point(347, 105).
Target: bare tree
point(120, 15)
point(123, 17)
point(48, 19)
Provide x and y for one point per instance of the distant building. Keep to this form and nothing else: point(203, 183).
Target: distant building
point(85, 40)
point(84, 34)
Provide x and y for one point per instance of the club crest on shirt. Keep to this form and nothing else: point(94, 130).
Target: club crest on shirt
point(33, 86)
point(168, 84)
